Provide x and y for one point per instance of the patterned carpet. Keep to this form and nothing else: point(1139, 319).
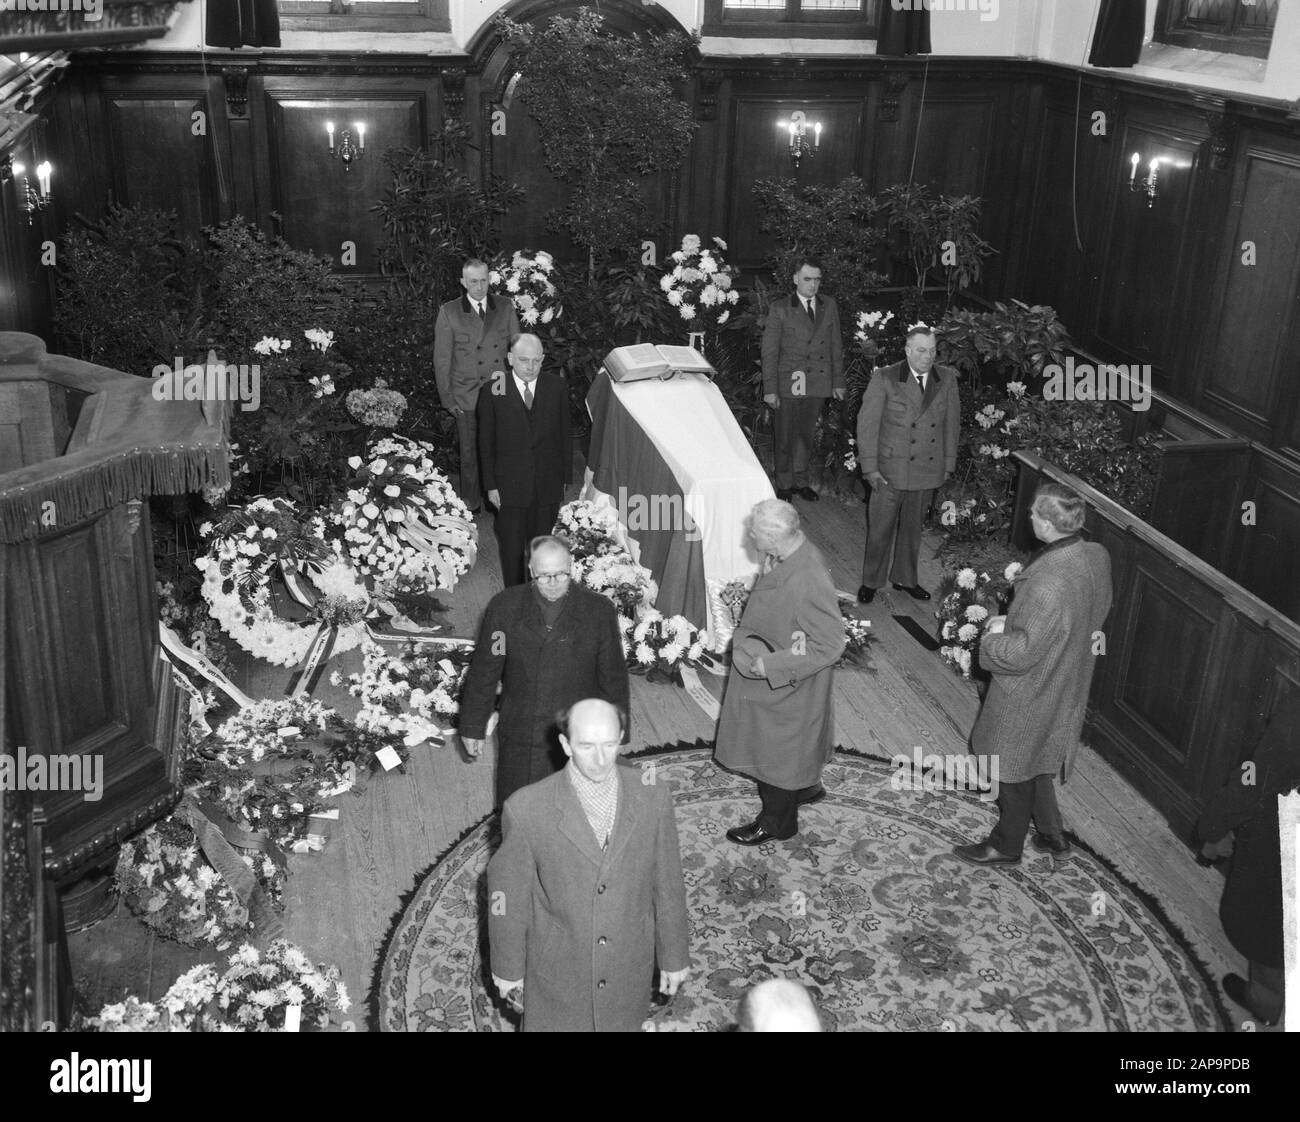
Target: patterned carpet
point(866, 907)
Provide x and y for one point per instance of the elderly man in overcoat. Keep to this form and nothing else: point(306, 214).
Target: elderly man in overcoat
point(586, 891)
point(777, 719)
point(548, 643)
point(907, 446)
point(1042, 654)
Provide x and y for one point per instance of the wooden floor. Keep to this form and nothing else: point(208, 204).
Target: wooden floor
point(340, 903)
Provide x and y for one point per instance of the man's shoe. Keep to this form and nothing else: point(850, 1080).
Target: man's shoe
point(1238, 989)
point(808, 494)
point(983, 854)
point(865, 594)
point(785, 494)
point(817, 797)
point(916, 592)
point(753, 834)
point(1057, 847)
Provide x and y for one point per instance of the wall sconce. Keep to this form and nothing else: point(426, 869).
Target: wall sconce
point(797, 128)
point(32, 198)
point(1147, 184)
point(345, 150)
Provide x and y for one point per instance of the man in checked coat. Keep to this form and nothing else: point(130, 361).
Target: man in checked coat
point(586, 893)
point(1041, 654)
point(548, 644)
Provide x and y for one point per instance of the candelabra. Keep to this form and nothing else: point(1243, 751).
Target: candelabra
point(345, 150)
point(32, 198)
point(798, 127)
point(1147, 184)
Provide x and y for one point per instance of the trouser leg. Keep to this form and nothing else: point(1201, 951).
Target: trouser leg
point(511, 527)
point(467, 433)
point(783, 426)
point(780, 813)
point(882, 517)
point(1047, 814)
point(1015, 805)
point(907, 544)
point(806, 412)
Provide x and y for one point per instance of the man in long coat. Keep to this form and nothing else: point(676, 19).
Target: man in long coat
point(586, 891)
point(1041, 655)
point(549, 643)
point(777, 719)
point(907, 446)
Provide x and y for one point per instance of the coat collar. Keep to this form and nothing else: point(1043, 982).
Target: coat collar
point(573, 821)
point(796, 306)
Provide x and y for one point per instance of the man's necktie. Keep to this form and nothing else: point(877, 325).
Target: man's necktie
point(528, 398)
point(812, 311)
point(920, 381)
point(479, 308)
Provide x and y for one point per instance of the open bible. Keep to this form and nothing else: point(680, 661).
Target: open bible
point(650, 360)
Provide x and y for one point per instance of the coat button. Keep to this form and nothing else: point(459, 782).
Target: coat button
point(602, 940)
point(600, 890)
point(601, 984)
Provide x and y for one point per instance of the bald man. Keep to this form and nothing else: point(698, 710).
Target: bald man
point(586, 892)
point(525, 456)
point(778, 1005)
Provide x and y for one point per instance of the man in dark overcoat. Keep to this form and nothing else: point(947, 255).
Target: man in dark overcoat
point(586, 892)
point(548, 643)
point(777, 719)
point(1042, 654)
point(907, 446)
point(1251, 908)
point(524, 452)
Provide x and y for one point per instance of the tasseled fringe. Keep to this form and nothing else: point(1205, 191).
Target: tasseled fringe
point(86, 492)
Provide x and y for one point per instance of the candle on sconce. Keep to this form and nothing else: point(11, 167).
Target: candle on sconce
point(1154, 165)
point(817, 135)
point(792, 129)
point(329, 128)
point(43, 174)
point(18, 169)
point(361, 132)
point(1132, 179)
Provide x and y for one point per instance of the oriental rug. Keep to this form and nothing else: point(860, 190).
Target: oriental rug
point(867, 907)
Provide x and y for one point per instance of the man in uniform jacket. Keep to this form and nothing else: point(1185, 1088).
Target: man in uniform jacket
point(548, 643)
point(586, 890)
point(803, 365)
point(470, 339)
point(1251, 908)
point(777, 719)
point(524, 452)
point(907, 446)
point(1041, 655)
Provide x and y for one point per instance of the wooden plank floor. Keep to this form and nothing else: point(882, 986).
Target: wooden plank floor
point(340, 903)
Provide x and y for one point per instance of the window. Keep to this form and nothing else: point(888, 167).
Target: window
point(1243, 27)
point(364, 15)
point(803, 19)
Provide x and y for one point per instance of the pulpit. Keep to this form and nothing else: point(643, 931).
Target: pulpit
point(89, 716)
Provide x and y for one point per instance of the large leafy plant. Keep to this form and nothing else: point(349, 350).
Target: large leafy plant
point(937, 232)
point(1010, 342)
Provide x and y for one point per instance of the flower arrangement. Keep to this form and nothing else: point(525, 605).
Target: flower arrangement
point(735, 595)
point(590, 530)
point(401, 524)
point(701, 285)
point(615, 575)
point(870, 327)
point(254, 994)
point(526, 279)
point(414, 693)
point(967, 599)
point(378, 407)
point(165, 880)
point(194, 625)
point(658, 646)
point(858, 638)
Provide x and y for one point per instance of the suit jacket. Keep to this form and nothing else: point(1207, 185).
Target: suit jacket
point(1042, 663)
point(1251, 908)
point(791, 341)
point(467, 350)
point(780, 728)
point(581, 925)
point(541, 673)
point(910, 438)
point(525, 455)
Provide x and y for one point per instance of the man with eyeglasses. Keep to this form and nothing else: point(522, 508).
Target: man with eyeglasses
point(586, 891)
point(548, 644)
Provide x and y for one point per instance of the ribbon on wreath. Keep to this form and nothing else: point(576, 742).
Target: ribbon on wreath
point(308, 674)
point(177, 652)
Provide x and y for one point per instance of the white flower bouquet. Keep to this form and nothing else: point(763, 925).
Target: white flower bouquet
point(378, 407)
point(967, 600)
point(616, 576)
point(870, 326)
point(658, 646)
point(590, 530)
point(527, 278)
point(414, 693)
point(700, 285)
point(858, 638)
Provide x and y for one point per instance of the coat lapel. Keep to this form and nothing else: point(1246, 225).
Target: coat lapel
point(626, 817)
point(477, 326)
point(931, 388)
point(573, 820)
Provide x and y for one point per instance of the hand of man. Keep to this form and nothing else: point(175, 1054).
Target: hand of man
point(513, 992)
point(996, 625)
point(838, 395)
point(494, 497)
point(472, 747)
point(772, 401)
point(456, 410)
point(876, 479)
point(670, 981)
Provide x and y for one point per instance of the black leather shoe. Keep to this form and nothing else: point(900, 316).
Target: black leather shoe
point(1238, 989)
point(753, 834)
point(983, 854)
point(808, 494)
point(1057, 847)
point(916, 592)
point(865, 594)
point(785, 494)
point(808, 800)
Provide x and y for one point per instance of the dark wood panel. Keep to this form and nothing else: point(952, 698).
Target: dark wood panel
point(1265, 558)
point(954, 143)
point(320, 204)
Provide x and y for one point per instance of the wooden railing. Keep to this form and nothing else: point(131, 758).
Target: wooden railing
point(1193, 664)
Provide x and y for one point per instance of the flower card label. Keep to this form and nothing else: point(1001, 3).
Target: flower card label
point(289, 732)
point(292, 1018)
point(701, 696)
point(447, 667)
point(388, 757)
